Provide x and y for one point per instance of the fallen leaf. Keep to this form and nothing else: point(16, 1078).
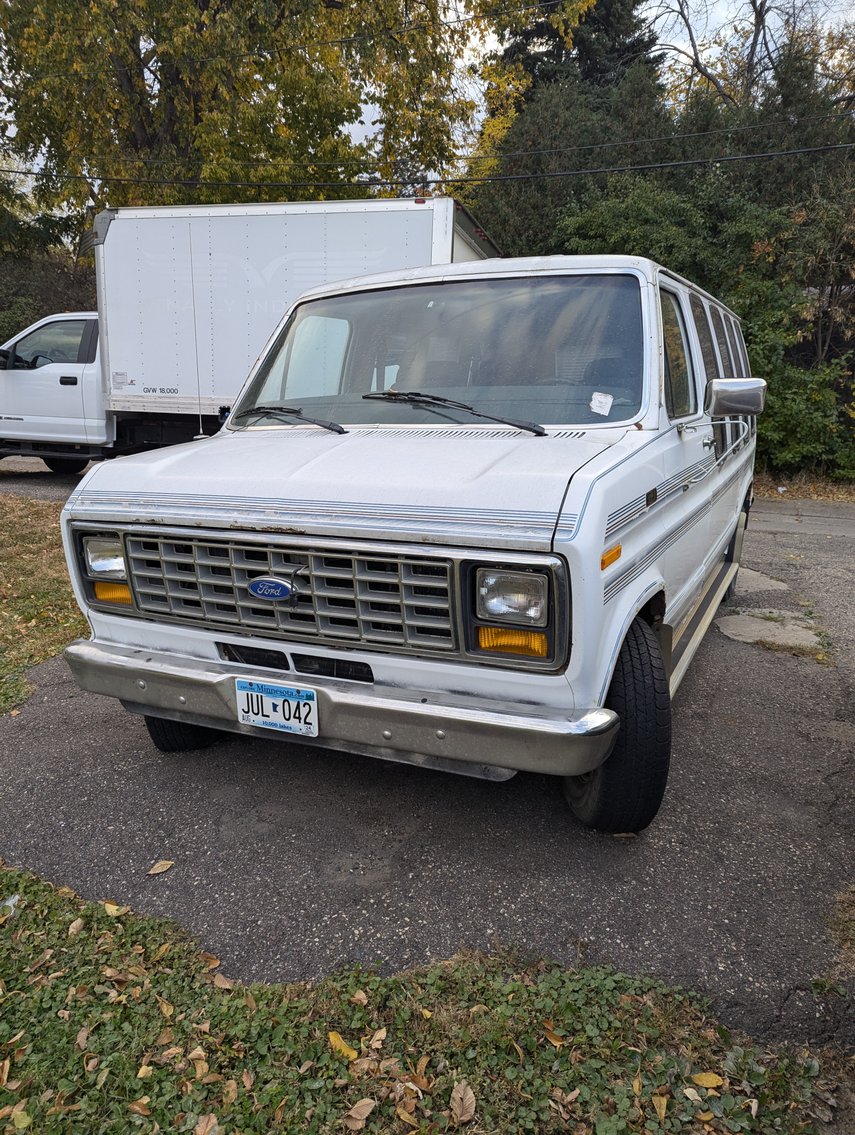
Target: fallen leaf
point(377, 1039)
point(405, 1117)
point(198, 1053)
point(90, 1063)
point(207, 1125)
point(462, 1104)
point(222, 982)
point(101, 1077)
point(211, 962)
point(161, 951)
point(166, 1007)
point(114, 910)
point(230, 1091)
point(140, 1106)
point(636, 1085)
point(145, 1072)
point(553, 1038)
point(704, 1116)
point(20, 1120)
point(753, 1106)
point(360, 997)
point(305, 1066)
point(518, 1051)
point(82, 1038)
point(355, 1118)
point(167, 1036)
point(340, 1046)
point(661, 1105)
point(707, 1080)
point(248, 1079)
point(75, 927)
point(250, 1002)
point(427, 1014)
point(159, 868)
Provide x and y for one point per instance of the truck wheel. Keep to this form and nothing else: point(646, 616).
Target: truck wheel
point(624, 793)
point(177, 736)
point(66, 464)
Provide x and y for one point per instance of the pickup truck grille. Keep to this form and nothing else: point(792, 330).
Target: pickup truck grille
point(376, 599)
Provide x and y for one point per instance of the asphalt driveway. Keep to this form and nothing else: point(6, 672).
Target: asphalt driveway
point(290, 861)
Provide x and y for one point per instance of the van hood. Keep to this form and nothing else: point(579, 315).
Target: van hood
point(470, 487)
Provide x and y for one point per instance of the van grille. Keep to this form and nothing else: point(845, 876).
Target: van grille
point(381, 600)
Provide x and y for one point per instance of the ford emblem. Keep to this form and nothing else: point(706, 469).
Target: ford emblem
point(271, 589)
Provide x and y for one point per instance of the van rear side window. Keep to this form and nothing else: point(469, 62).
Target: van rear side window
point(702, 326)
point(680, 398)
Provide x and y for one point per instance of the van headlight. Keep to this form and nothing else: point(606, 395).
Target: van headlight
point(104, 557)
point(512, 597)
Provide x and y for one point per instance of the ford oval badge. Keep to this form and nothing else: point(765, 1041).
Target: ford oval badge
point(271, 589)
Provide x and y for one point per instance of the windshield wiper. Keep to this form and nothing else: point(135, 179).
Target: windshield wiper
point(286, 413)
point(417, 398)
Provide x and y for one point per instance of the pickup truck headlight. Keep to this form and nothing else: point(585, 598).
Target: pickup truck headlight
point(512, 597)
point(106, 573)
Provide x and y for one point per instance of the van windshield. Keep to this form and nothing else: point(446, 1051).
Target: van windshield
point(561, 350)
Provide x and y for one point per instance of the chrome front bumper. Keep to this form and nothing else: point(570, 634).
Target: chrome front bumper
point(413, 726)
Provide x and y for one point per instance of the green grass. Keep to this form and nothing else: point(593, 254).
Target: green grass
point(38, 615)
point(114, 1023)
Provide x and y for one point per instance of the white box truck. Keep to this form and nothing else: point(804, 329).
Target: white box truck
point(187, 298)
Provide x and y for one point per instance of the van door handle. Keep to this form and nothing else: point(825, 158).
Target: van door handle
point(709, 442)
point(68, 380)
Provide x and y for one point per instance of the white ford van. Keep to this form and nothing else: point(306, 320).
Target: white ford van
point(475, 517)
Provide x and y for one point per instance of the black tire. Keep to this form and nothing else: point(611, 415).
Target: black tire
point(730, 555)
point(624, 793)
point(177, 736)
point(68, 465)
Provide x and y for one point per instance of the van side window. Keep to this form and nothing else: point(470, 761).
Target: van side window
point(702, 325)
point(680, 397)
point(721, 339)
point(734, 354)
point(740, 349)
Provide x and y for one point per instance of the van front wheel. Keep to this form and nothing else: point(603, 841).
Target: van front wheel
point(625, 792)
point(178, 736)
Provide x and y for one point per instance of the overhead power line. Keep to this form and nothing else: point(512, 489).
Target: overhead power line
point(399, 183)
point(365, 165)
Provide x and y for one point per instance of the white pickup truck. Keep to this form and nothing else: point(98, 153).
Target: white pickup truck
point(188, 296)
point(475, 517)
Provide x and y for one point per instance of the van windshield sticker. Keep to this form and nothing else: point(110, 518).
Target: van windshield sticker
point(601, 403)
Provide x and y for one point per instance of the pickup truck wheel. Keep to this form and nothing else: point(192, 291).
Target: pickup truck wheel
point(177, 736)
point(66, 464)
point(625, 792)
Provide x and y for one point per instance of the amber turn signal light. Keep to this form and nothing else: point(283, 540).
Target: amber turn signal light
point(610, 556)
point(513, 640)
point(113, 592)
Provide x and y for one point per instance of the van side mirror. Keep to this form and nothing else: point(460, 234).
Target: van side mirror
point(726, 396)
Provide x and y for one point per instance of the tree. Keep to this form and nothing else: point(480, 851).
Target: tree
point(565, 126)
point(610, 37)
point(117, 102)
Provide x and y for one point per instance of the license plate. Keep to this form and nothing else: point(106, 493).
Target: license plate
point(270, 706)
